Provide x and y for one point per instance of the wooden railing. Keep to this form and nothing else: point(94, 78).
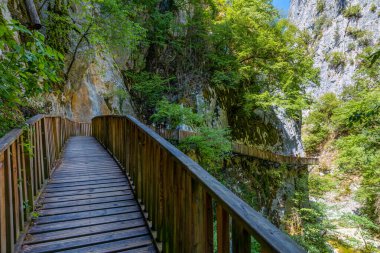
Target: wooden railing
point(27, 158)
point(180, 197)
point(243, 149)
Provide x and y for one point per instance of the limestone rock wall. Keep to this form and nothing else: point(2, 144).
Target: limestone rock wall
point(331, 32)
point(94, 87)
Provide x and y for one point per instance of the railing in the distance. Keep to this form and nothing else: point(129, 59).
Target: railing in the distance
point(243, 149)
point(179, 196)
point(27, 158)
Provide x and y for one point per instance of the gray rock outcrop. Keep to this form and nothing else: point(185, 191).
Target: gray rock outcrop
point(338, 35)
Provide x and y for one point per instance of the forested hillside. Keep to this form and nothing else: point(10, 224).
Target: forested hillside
point(227, 71)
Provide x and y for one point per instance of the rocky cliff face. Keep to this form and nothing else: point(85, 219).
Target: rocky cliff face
point(338, 31)
point(94, 87)
point(95, 84)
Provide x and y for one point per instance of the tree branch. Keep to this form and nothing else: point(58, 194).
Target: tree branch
point(83, 37)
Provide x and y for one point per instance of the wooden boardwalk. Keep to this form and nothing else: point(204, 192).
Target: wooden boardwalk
point(88, 206)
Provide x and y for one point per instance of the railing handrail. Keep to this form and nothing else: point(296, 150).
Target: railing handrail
point(13, 134)
point(252, 221)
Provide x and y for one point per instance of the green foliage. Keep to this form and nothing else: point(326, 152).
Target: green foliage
point(365, 41)
point(209, 147)
point(336, 59)
point(319, 185)
point(356, 33)
point(354, 120)
point(373, 8)
point(313, 225)
point(58, 26)
point(321, 5)
point(34, 215)
point(114, 25)
point(258, 59)
point(173, 115)
point(365, 226)
point(318, 123)
point(353, 11)
point(27, 70)
point(351, 46)
point(321, 23)
point(147, 90)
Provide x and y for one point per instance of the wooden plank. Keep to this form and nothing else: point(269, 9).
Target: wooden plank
point(86, 201)
point(85, 187)
point(76, 243)
point(81, 183)
point(9, 207)
point(85, 231)
point(87, 196)
point(209, 224)
point(15, 194)
point(86, 191)
point(223, 230)
point(29, 170)
point(87, 208)
point(65, 225)
point(241, 240)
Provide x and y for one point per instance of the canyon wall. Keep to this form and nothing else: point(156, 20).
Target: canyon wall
point(338, 31)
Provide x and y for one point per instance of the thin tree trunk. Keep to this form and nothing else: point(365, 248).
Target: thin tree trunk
point(33, 15)
point(77, 47)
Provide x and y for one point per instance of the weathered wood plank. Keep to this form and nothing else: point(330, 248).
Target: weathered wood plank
point(223, 230)
point(57, 226)
point(77, 243)
point(86, 201)
point(84, 231)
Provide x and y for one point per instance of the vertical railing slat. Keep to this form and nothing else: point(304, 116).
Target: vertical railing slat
point(3, 217)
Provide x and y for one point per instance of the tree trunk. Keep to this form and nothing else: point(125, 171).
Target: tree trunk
point(33, 15)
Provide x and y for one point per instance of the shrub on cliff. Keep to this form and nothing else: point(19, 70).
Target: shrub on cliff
point(353, 11)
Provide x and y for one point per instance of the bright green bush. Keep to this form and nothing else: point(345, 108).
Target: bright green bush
point(353, 11)
point(355, 32)
point(319, 185)
point(321, 5)
point(147, 90)
point(209, 147)
point(313, 224)
point(318, 125)
point(373, 8)
point(173, 115)
point(336, 59)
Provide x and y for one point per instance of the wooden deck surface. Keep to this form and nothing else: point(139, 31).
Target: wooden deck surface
point(88, 206)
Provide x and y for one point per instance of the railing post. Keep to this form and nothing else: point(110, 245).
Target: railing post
point(8, 202)
point(3, 217)
point(16, 196)
point(223, 230)
point(29, 169)
point(241, 240)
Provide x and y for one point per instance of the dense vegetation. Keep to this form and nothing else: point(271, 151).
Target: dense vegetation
point(350, 125)
point(26, 70)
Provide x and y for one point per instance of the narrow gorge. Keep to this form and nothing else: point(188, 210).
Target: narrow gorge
point(228, 72)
